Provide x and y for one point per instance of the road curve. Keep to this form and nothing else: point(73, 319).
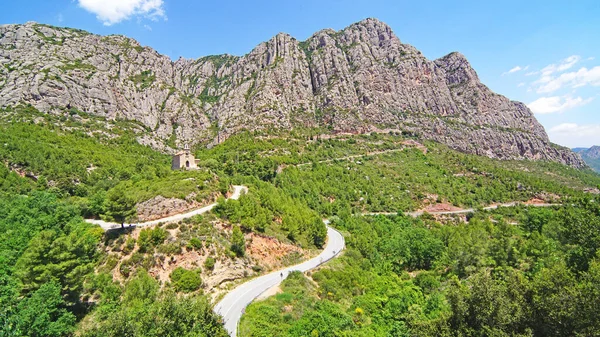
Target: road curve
point(232, 306)
point(237, 192)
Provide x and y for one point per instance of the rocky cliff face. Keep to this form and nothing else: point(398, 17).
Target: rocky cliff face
point(359, 79)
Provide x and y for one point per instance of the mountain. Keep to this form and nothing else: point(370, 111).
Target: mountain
point(357, 80)
point(591, 156)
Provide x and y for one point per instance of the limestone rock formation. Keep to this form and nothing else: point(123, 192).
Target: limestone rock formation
point(359, 79)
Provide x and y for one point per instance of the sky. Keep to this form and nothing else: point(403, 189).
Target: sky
point(543, 53)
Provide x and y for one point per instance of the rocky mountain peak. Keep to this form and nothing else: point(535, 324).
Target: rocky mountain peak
point(458, 69)
point(358, 79)
point(376, 30)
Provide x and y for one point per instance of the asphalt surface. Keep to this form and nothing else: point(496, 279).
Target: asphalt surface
point(232, 306)
point(237, 192)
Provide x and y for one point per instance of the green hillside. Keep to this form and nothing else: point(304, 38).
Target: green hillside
point(502, 273)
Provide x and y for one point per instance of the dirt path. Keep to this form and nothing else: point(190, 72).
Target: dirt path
point(237, 192)
point(463, 211)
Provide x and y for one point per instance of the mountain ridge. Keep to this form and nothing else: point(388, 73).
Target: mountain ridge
point(590, 155)
point(359, 79)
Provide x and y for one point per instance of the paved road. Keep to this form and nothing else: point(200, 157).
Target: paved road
point(232, 306)
point(237, 192)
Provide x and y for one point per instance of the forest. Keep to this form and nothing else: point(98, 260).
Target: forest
point(515, 271)
point(416, 277)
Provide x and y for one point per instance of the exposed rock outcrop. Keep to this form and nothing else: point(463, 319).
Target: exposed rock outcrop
point(161, 207)
point(359, 79)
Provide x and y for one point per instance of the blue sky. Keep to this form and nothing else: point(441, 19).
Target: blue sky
point(543, 53)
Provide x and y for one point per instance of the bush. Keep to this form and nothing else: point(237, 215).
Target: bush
point(151, 237)
point(129, 246)
point(196, 243)
point(238, 244)
point(172, 225)
point(186, 280)
point(170, 248)
point(209, 263)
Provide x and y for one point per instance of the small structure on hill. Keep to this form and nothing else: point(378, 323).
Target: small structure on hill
point(184, 160)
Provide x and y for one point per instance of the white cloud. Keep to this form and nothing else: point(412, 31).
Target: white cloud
point(521, 84)
point(115, 11)
point(574, 135)
point(591, 58)
point(513, 70)
point(562, 66)
point(59, 18)
point(575, 79)
point(147, 27)
point(532, 73)
point(547, 105)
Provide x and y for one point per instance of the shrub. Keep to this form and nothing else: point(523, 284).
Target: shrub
point(238, 244)
point(158, 235)
point(172, 225)
point(151, 237)
point(209, 263)
point(129, 246)
point(170, 248)
point(196, 243)
point(186, 280)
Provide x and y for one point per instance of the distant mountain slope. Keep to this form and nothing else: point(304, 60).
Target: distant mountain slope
point(591, 156)
point(357, 80)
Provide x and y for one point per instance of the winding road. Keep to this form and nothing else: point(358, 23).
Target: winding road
point(237, 192)
point(232, 306)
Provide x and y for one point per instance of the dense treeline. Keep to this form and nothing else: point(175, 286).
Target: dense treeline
point(268, 210)
point(142, 309)
point(406, 277)
point(46, 252)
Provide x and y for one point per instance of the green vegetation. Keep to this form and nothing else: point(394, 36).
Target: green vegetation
point(209, 263)
point(269, 210)
point(212, 85)
point(81, 158)
point(219, 60)
point(77, 64)
point(143, 80)
point(479, 278)
point(150, 238)
point(238, 244)
point(46, 253)
point(119, 206)
point(186, 280)
point(394, 175)
point(510, 272)
point(141, 309)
